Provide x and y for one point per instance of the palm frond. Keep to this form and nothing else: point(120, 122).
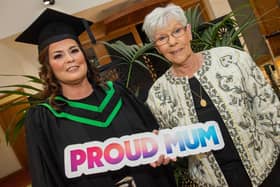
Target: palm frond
point(28, 97)
point(120, 49)
point(12, 132)
point(22, 86)
point(13, 104)
point(223, 31)
point(29, 77)
point(160, 57)
point(15, 92)
point(193, 16)
point(141, 64)
point(130, 54)
point(142, 50)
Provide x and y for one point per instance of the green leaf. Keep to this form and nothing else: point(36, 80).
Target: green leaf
point(193, 17)
point(159, 57)
point(141, 64)
point(120, 50)
point(12, 104)
point(22, 86)
point(141, 51)
point(30, 77)
point(15, 92)
point(11, 134)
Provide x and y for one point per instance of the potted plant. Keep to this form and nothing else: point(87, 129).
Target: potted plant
point(32, 94)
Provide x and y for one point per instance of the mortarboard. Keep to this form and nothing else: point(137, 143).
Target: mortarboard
point(52, 26)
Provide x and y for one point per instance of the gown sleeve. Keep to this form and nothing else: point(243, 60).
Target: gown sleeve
point(44, 172)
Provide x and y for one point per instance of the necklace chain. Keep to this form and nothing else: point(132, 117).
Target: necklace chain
point(203, 102)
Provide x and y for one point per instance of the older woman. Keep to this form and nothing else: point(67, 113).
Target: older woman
point(221, 84)
point(79, 109)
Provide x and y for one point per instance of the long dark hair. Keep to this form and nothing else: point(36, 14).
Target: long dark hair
point(51, 86)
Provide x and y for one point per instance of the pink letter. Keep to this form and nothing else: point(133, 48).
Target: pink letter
point(94, 155)
point(77, 158)
point(117, 157)
point(151, 150)
point(128, 150)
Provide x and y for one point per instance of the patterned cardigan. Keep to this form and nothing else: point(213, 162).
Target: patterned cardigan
point(245, 101)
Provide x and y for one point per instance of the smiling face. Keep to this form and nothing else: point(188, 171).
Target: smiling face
point(67, 62)
point(177, 49)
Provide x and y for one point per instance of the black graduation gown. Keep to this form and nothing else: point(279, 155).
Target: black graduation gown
point(47, 137)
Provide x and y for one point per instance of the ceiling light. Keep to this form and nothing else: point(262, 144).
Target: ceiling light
point(49, 2)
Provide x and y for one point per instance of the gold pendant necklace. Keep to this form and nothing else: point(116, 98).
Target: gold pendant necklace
point(203, 102)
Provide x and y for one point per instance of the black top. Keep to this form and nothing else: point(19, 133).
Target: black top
point(47, 137)
point(227, 158)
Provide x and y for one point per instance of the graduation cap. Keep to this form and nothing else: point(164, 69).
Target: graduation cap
point(52, 26)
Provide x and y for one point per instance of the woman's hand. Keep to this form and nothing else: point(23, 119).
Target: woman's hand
point(162, 160)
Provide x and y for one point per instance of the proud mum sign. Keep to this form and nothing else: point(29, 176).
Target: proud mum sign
point(141, 148)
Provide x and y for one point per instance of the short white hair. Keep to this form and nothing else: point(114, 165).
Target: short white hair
point(159, 18)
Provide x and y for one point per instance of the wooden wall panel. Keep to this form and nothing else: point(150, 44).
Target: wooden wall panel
point(268, 13)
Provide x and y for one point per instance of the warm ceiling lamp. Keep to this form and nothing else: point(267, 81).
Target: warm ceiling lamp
point(49, 2)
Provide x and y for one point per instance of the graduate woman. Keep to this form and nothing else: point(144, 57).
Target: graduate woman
point(79, 108)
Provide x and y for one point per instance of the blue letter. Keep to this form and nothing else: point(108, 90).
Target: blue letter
point(169, 141)
point(210, 133)
point(187, 138)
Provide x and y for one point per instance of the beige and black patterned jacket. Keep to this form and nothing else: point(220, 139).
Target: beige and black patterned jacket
point(245, 101)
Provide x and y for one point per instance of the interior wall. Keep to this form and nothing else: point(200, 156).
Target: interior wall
point(218, 8)
point(17, 59)
point(252, 36)
point(20, 13)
